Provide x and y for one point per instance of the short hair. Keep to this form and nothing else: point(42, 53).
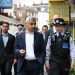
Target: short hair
point(4, 22)
point(45, 26)
point(30, 18)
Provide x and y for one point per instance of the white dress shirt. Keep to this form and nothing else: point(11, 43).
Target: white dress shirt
point(29, 37)
point(5, 39)
point(43, 35)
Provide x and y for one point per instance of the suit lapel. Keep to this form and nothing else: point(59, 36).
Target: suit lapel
point(9, 39)
point(35, 41)
point(24, 40)
point(1, 41)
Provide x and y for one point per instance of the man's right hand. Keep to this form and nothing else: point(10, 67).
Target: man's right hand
point(47, 66)
point(15, 61)
point(22, 51)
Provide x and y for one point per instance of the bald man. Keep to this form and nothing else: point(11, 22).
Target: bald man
point(30, 51)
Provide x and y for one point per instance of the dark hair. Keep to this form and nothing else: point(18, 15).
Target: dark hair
point(45, 26)
point(3, 22)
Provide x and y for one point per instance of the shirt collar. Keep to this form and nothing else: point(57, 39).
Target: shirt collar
point(29, 32)
point(5, 34)
point(57, 33)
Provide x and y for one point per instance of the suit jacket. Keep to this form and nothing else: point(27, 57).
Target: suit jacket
point(46, 37)
point(7, 53)
point(39, 48)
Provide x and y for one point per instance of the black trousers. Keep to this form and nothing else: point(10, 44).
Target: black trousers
point(5, 68)
point(30, 68)
point(58, 69)
point(15, 68)
point(42, 70)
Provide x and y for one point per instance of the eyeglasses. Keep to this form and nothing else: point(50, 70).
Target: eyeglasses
point(32, 23)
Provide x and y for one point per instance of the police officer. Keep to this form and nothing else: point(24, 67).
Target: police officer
point(58, 48)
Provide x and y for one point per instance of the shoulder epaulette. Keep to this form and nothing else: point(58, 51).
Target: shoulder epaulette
point(68, 34)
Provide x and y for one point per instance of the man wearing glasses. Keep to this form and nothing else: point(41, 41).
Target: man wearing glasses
point(30, 50)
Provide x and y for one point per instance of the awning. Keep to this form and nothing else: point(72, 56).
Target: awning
point(9, 20)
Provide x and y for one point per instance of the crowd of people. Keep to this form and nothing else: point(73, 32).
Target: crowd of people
point(30, 51)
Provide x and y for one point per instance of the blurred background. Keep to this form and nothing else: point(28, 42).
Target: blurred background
point(16, 11)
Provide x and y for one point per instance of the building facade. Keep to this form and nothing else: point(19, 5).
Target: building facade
point(59, 7)
point(22, 12)
point(64, 9)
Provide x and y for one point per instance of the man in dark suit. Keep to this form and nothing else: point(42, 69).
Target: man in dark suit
point(20, 28)
point(6, 50)
point(30, 50)
point(45, 33)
